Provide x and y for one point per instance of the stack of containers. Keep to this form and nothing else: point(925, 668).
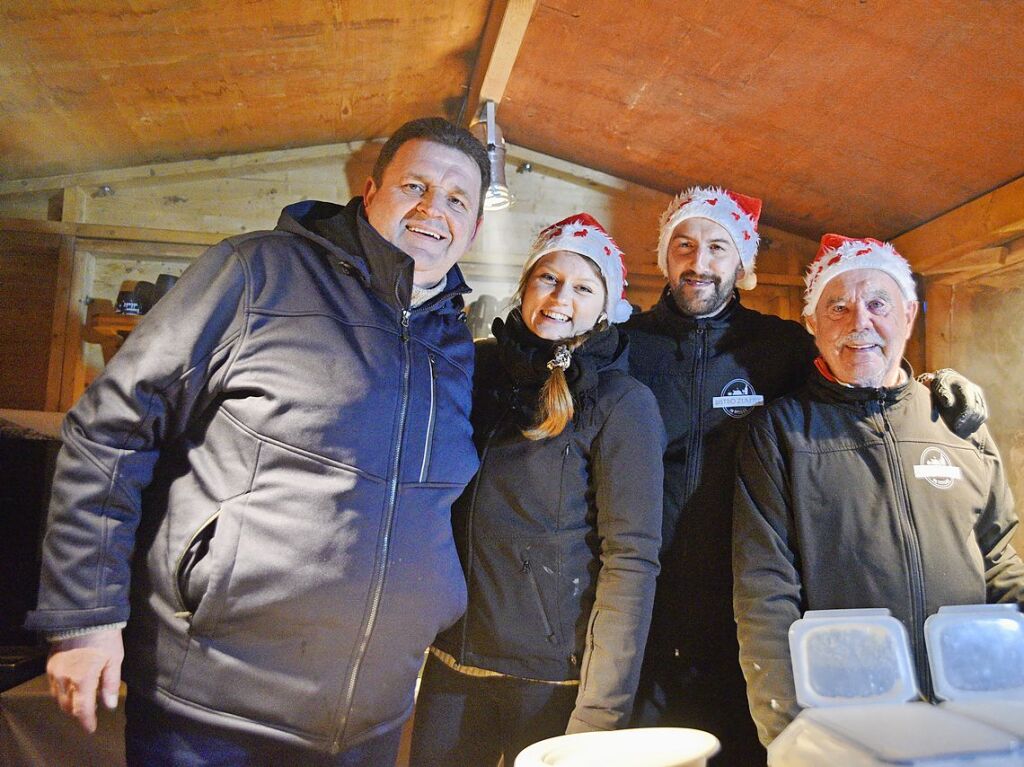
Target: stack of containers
point(854, 678)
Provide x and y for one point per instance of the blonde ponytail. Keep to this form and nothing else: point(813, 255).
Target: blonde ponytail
point(554, 403)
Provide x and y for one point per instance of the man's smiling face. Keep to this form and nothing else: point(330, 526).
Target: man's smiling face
point(861, 325)
point(703, 266)
point(426, 205)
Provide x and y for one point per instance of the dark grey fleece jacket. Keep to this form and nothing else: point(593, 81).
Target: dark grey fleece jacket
point(559, 537)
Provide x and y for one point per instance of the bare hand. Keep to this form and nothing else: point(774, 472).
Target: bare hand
point(80, 667)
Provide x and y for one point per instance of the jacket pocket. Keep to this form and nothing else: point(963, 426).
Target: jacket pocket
point(192, 569)
point(534, 588)
point(431, 415)
point(203, 569)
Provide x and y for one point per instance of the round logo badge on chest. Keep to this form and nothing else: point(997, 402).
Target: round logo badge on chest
point(738, 398)
point(937, 469)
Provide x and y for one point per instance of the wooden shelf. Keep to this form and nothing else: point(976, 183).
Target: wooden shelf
point(116, 325)
point(104, 327)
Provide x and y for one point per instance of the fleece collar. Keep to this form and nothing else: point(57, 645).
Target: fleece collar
point(355, 247)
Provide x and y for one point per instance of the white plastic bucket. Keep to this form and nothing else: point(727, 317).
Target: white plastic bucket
point(640, 747)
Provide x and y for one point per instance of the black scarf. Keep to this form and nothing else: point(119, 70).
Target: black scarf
point(524, 356)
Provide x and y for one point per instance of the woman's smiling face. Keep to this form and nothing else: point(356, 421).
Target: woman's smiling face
point(563, 296)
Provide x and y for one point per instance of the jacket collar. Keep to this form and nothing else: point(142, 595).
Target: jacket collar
point(353, 246)
point(827, 388)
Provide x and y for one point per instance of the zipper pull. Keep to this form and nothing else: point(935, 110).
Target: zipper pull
point(405, 324)
point(526, 565)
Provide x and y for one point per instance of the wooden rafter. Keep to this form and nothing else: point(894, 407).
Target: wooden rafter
point(217, 167)
point(969, 236)
point(499, 46)
point(105, 232)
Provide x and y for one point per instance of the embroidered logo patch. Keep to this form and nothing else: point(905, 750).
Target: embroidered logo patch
point(937, 469)
point(738, 398)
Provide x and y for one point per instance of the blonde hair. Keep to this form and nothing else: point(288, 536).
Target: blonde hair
point(554, 402)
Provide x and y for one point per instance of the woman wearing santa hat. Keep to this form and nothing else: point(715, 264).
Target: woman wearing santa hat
point(559, 531)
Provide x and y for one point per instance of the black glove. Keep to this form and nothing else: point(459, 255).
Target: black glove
point(960, 402)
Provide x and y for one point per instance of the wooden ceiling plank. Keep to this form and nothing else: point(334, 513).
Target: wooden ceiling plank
point(193, 169)
point(499, 47)
point(989, 220)
point(982, 260)
point(103, 232)
point(1010, 257)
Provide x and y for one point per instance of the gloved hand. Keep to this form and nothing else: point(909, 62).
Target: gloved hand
point(960, 402)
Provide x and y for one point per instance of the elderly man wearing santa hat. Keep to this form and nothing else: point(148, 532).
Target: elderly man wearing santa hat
point(852, 493)
point(711, 363)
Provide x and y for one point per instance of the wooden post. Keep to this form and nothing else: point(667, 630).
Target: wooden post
point(58, 325)
point(72, 379)
point(938, 323)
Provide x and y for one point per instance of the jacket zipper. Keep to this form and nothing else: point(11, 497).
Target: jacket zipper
point(549, 632)
point(382, 554)
point(430, 423)
point(696, 411)
point(469, 530)
point(912, 551)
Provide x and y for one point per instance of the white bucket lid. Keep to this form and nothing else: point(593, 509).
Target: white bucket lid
point(639, 747)
point(976, 652)
point(851, 657)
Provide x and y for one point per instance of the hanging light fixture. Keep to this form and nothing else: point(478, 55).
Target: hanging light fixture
point(485, 128)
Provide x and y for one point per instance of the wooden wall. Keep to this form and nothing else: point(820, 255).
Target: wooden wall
point(987, 344)
point(29, 270)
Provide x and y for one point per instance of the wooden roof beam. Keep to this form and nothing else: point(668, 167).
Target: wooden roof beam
point(954, 238)
point(105, 232)
point(499, 47)
point(217, 167)
point(983, 264)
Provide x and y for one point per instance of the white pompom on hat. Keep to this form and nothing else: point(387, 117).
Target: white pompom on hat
point(838, 254)
point(583, 235)
point(737, 213)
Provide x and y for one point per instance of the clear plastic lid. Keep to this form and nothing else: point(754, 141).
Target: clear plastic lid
point(910, 734)
point(851, 657)
point(976, 652)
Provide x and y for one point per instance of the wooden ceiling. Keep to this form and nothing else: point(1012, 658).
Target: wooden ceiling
point(90, 84)
point(867, 118)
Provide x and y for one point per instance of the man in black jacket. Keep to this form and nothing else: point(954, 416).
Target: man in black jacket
point(710, 362)
point(264, 473)
point(851, 493)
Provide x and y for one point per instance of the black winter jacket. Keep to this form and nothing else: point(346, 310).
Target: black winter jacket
point(854, 497)
point(279, 442)
point(559, 537)
point(692, 366)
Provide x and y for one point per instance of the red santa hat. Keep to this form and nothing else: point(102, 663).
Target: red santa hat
point(582, 234)
point(737, 213)
point(838, 254)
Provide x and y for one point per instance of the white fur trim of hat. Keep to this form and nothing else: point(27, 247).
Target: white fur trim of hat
point(737, 213)
point(838, 254)
point(582, 234)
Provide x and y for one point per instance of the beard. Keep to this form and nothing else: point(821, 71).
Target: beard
point(708, 302)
